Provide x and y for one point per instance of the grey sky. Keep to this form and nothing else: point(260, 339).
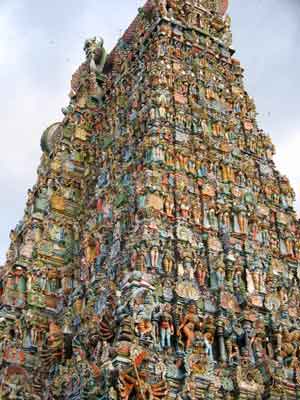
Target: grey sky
point(41, 46)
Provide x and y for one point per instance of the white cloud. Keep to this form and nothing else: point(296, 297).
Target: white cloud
point(12, 45)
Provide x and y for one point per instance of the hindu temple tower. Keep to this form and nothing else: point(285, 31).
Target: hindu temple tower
point(159, 253)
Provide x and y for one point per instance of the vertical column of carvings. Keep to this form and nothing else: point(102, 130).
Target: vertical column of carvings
point(43, 261)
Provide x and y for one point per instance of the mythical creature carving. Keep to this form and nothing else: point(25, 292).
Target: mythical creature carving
point(95, 54)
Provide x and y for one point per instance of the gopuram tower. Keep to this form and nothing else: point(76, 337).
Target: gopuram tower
point(159, 254)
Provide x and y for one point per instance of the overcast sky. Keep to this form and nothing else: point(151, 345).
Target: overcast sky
point(41, 46)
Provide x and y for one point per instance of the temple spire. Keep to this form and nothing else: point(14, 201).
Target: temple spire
point(159, 254)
